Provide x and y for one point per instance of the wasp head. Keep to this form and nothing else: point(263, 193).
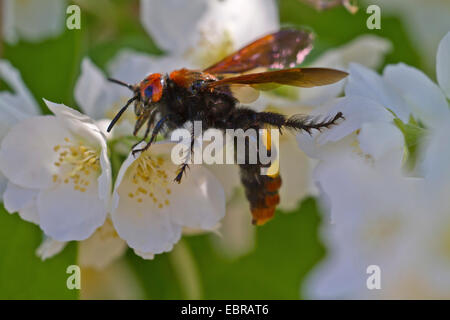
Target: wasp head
point(146, 94)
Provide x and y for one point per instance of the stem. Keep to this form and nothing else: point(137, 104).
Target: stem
point(186, 270)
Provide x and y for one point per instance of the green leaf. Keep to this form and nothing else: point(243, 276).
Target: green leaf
point(158, 277)
point(22, 274)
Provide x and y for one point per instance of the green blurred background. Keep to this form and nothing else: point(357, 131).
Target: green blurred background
point(286, 248)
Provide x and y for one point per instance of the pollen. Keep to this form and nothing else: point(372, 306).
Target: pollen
point(75, 162)
point(149, 177)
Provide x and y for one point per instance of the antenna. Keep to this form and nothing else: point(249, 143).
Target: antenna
point(119, 114)
point(129, 86)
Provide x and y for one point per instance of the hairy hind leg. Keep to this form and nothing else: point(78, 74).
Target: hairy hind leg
point(297, 122)
point(245, 118)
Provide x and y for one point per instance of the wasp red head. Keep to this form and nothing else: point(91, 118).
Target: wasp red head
point(151, 88)
point(148, 91)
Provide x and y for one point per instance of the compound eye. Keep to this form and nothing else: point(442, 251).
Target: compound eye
point(149, 92)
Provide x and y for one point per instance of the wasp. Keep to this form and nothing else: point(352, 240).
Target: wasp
point(165, 102)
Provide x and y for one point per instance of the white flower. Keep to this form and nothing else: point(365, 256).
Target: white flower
point(368, 131)
point(382, 218)
point(183, 27)
point(443, 65)
point(58, 173)
point(32, 20)
point(14, 106)
point(237, 234)
point(379, 216)
point(405, 90)
point(373, 212)
point(149, 209)
point(98, 251)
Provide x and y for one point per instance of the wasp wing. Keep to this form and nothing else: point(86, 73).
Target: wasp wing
point(299, 77)
point(283, 49)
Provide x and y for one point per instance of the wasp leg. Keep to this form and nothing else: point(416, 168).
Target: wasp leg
point(156, 130)
point(147, 130)
point(185, 165)
point(298, 121)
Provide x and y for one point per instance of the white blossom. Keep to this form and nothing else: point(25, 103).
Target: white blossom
point(32, 20)
point(58, 173)
point(149, 209)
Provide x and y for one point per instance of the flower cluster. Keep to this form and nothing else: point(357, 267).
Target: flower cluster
point(384, 178)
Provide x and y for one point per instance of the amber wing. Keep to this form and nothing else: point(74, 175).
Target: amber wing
point(283, 49)
point(299, 77)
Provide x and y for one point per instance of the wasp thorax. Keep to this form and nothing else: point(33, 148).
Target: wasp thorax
point(78, 164)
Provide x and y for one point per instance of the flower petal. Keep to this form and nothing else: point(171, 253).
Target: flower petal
point(26, 155)
point(237, 234)
point(49, 248)
point(382, 141)
point(356, 110)
point(30, 213)
point(295, 170)
point(435, 160)
point(131, 66)
point(16, 198)
point(146, 225)
point(3, 183)
point(367, 50)
point(82, 126)
point(366, 83)
point(200, 200)
point(94, 93)
point(34, 20)
point(341, 139)
point(21, 200)
point(145, 255)
point(22, 99)
point(425, 99)
point(443, 65)
point(67, 214)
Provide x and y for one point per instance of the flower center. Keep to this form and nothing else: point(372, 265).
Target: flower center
point(150, 179)
point(210, 49)
point(78, 164)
